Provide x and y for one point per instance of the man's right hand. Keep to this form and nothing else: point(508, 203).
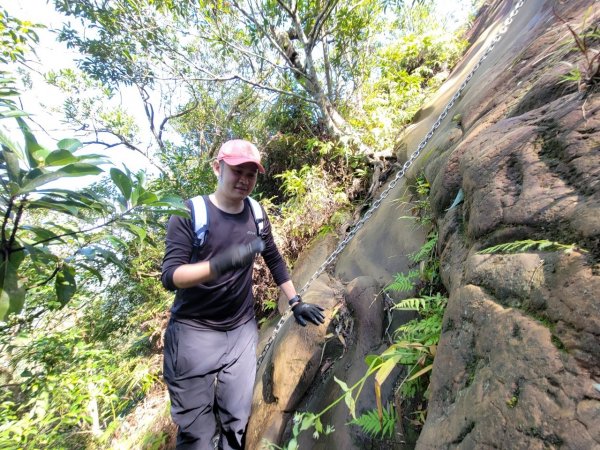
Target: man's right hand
point(235, 257)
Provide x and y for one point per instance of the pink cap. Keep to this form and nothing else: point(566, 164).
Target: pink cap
point(238, 151)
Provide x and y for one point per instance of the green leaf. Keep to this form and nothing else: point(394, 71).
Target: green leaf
point(60, 158)
point(54, 206)
point(373, 360)
point(41, 256)
point(185, 213)
point(74, 201)
point(13, 188)
point(12, 165)
point(6, 141)
point(139, 231)
point(41, 233)
point(12, 291)
point(136, 194)
point(65, 284)
point(426, 250)
point(173, 201)
point(12, 113)
point(7, 298)
point(81, 199)
point(318, 425)
point(92, 253)
point(35, 153)
point(307, 421)
point(37, 177)
point(122, 181)
point(402, 282)
point(117, 242)
point(93, 271)
point(147, 198)
point(94, 159)
point(410, 304)
point(81, 169)
point(69, 144)
point(348, 399)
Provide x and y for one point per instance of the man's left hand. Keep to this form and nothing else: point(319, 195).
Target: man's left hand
point(307, 311)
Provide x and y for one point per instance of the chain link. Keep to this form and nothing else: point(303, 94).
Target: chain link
point(399, 175)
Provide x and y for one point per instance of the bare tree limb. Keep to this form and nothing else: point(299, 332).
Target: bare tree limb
point(47, 280)
point(320, 20)
point(163, 124)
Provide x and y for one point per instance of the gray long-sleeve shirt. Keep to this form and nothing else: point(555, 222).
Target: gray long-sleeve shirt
point(227, 301)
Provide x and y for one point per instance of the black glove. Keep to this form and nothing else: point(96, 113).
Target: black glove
point(235, 257)
point(310, 312)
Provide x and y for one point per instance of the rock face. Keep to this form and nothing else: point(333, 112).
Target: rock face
point(518, 364)
point(520, 349)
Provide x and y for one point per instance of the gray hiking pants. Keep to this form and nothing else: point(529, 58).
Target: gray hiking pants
point(210, 372)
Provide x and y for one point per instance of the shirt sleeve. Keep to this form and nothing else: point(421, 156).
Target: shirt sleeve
point(179, 241)
point(272, 256)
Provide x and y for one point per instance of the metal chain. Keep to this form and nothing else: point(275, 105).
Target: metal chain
point(397, 178)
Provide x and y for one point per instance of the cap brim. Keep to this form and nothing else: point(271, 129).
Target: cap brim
point(236, 161)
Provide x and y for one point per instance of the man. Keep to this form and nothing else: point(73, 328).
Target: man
point(210, 342)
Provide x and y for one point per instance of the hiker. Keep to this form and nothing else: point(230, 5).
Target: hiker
point(210, 341)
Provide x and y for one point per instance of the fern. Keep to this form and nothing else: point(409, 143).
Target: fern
point(424, 331)
point(403, 283)
point(425, 304)
point(410, 304)
point(528, 244)
point(426, 250)
point(373, 426)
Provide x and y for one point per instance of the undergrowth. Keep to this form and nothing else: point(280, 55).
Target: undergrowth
point(586, 74)
point(73, 376)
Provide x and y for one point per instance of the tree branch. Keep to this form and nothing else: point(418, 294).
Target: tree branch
point(269, 36)
point(320, 20)
point(9, 208)
point(105, 144)
point(18, 216)
point(258, 85)
point(149, 110)
point(73, 233)
point(175, 116)
point(47, 280)
point(126, 143)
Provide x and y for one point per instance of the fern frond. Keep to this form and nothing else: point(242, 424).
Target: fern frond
point(426, 250)
point(529, 244)
point(425, 331)
point(403, 283)
point(371, 425)
point(426, 304)
point(410, 304)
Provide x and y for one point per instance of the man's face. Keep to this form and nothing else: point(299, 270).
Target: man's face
point(237, 182)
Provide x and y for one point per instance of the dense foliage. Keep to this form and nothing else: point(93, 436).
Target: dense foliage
point(322, 88)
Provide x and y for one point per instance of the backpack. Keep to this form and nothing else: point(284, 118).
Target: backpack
point(200, 222)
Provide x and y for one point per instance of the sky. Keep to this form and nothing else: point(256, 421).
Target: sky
point(53, 55)
point(37, 101)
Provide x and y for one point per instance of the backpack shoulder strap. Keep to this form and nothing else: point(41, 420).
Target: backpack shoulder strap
point(199, 220)
point(259, 215)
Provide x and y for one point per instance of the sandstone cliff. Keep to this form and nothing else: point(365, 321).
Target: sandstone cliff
point(518, 365)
